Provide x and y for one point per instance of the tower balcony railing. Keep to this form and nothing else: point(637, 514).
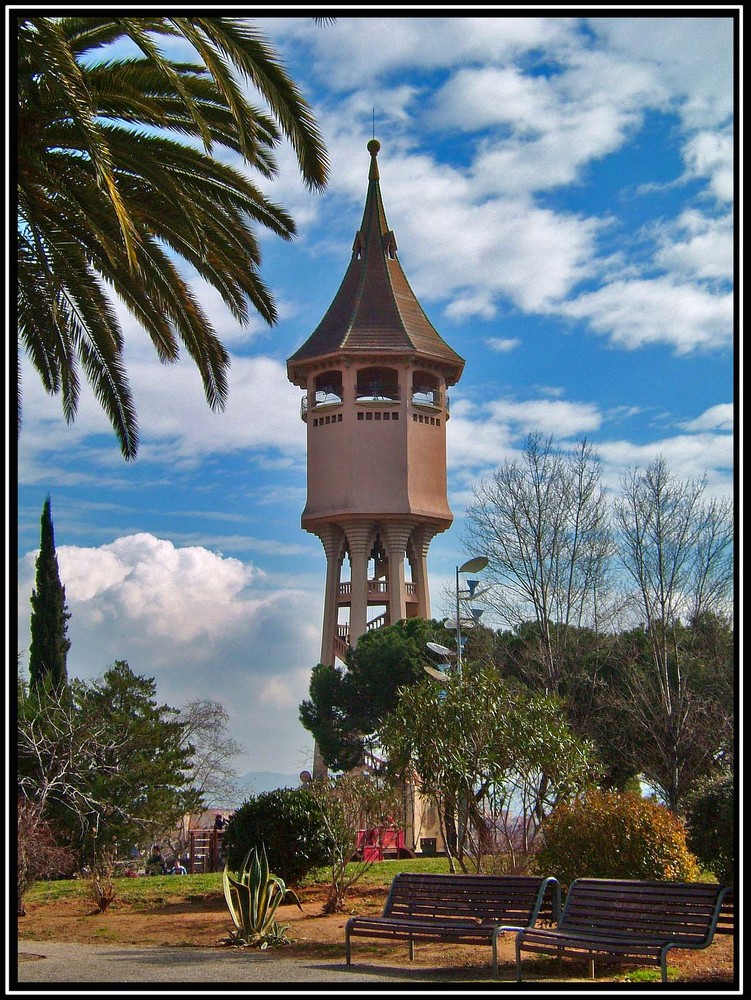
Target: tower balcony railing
point(322, 400)
point(430, 399)
point(376, 588)
point(425, 396)
point(375, 394)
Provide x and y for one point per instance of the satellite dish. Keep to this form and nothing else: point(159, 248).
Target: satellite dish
point(437, 675)
point(436, 647)
point(305, 777)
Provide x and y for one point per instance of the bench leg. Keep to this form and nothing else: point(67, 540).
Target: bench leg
point(411, 950)
point(495, 956)
point(518, 962)
point(346, 946)
point(591, 967)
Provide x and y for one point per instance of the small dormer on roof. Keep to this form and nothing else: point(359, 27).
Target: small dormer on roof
point(375, 310)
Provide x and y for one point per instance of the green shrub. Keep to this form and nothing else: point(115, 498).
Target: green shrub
point(615, 835)
point(288, 824)
point(711, 827)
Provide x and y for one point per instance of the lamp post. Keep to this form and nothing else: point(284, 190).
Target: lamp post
point(475, 565)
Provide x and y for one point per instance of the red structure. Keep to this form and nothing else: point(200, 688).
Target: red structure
point(381, 842)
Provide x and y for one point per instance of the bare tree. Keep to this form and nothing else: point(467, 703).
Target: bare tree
point(204, 727)
point(360, 799)
point(543, 523)
point(58, 748)
point(39, 852)
point(677, 549)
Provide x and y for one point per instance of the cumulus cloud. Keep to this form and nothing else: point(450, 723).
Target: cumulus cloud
point(202, 624)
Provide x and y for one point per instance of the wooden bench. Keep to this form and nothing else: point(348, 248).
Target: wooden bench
point(629, 920)
point(463, 909)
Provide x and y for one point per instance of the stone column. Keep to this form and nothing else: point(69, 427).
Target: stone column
point(421, 538)
point(332, 539)
point(396, 537)
point(360, 538)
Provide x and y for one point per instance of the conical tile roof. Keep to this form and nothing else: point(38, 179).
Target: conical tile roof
point(375, 310)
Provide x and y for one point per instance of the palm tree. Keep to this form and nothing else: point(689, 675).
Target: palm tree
point(117, 181)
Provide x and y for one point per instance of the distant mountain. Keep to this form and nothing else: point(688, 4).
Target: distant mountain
point(257, 782)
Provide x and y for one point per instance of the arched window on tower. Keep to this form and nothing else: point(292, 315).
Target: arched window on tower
point(328, 388)
point(377, 384)
point(426, 390)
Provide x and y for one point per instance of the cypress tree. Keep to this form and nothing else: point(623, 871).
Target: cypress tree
point(49, 647)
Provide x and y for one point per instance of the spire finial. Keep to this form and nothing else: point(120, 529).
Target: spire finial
point(373, 147)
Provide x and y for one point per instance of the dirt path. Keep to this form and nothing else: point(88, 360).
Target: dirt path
point(317, 941)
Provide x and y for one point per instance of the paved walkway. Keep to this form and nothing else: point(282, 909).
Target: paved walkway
point(77, 963)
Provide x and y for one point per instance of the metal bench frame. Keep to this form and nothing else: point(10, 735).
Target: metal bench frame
point(463, 909)
point(621, 920)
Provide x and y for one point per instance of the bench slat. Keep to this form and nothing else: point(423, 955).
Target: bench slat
point(458, 908)
point(640, 920)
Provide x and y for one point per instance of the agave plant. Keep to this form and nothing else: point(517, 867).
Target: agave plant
point(253, 900)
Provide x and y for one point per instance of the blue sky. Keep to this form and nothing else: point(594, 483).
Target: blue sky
point(561, 189)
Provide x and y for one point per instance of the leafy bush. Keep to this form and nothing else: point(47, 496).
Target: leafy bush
point(289, 824)
point(615, 835)
point(711, 827)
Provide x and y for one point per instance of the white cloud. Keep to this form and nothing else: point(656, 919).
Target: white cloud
point(716, 418)
point(687, 456)
point(560, 418)
point(697, 247)
point(481, 437)
point(546, 129)
point(202, 624)
point(710, 154)
point(262, 416)
point(358, 51)
point(633, 314)
point(689, 54)
point(503, 345)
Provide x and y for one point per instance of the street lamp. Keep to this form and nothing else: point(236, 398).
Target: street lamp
point(476, 565)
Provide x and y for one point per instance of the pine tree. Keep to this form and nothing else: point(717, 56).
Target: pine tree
point(49, 647)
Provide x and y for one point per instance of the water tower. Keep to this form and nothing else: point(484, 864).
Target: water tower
point(375, 373)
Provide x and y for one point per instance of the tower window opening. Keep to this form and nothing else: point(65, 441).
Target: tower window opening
point(377, 384)
point(425, 389)
point(328, 388)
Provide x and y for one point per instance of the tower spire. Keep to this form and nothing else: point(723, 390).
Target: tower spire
point(375, 307)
